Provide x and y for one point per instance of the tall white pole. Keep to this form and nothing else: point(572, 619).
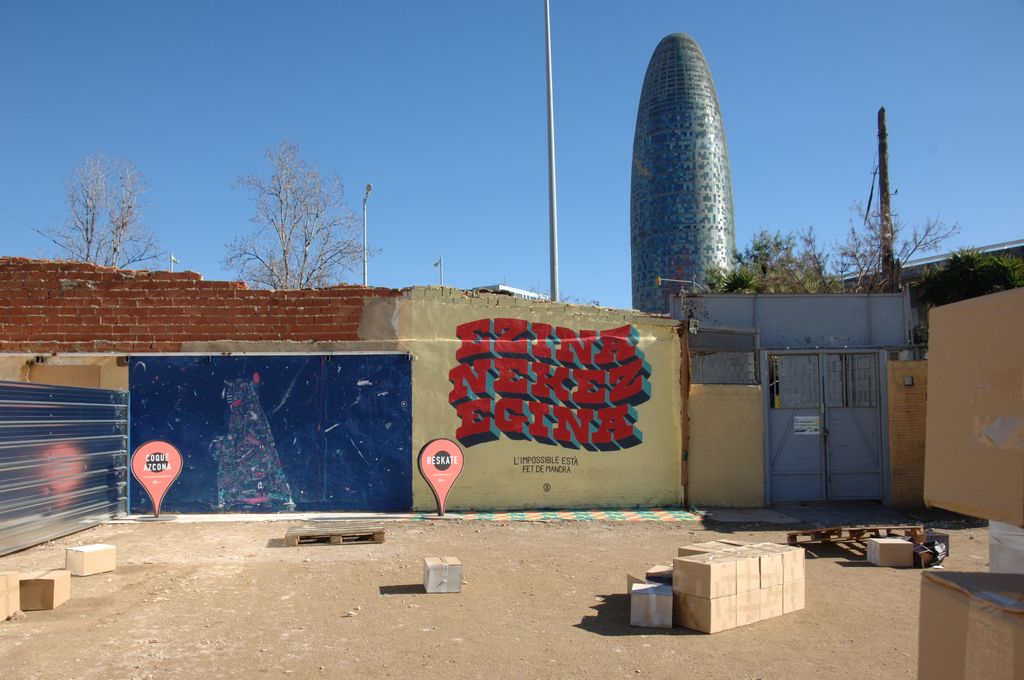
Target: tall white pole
point(366, 197)
point(551, 160)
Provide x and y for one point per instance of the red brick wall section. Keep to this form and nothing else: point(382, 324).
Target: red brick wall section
point(51, 306)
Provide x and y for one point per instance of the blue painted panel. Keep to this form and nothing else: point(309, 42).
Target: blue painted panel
point(275, 433)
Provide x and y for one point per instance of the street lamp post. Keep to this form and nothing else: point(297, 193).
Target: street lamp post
point(440, 265)
point(366, 197)
point(552, 202)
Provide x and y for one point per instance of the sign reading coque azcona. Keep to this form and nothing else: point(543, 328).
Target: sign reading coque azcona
point(548, 384)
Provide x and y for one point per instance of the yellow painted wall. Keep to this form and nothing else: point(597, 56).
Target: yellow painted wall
point(65, 369)
point(726, 446)
point(495, 476)
point(908, 405)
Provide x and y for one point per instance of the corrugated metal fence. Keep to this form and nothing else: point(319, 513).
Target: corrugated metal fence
point(63, 461)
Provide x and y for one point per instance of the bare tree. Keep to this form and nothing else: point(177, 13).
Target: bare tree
point(104, 215)
point(859, 258)
point(305, 232)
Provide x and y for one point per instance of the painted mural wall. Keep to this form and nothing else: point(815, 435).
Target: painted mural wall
point(277, 433)
point(553, 405)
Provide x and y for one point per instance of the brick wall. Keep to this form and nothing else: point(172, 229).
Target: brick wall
point(907, 411)
point(48, 306)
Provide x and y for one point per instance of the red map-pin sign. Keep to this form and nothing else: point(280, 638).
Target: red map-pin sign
point(156, 465)
point(440, 464)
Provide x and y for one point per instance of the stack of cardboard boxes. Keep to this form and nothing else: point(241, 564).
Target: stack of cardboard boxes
point(972, 625)
point(720, 585)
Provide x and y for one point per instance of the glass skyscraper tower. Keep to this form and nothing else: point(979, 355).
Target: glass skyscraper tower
point(681, 219)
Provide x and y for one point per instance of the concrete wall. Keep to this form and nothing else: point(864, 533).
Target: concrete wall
point(907, 425)
point(725, 459)
point(527, 455)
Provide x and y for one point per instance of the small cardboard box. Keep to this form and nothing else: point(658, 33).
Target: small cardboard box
point(771, 601)
point(709, 576)
point(650, 605)
point(704, 548)
point(793, 596)
point(631, 580)
point(442, 575)
point(660, 573)
point(45, 589)
point(748, 607)
point(770, 568)
point(10, 594)
point(703, 614)
point(890, 552)
point(86, 560)
point(748, 572)
point(1005, 548)
point(792, 560)
point(972, 626)
point(974, 443)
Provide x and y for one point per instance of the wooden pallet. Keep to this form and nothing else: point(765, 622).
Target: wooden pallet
point(841, 534)
point(335, 533)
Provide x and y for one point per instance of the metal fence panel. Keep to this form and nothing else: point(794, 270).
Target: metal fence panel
point(724, 368)
point(63, 461)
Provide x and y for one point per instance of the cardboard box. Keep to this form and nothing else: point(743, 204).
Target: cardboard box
point(974, 444)
point(442, 575)
point(86, 560)
point(45, 589)
point(704, 548)
point(631, 580)
point(660, 573)
point(10, 594)
point(793, 596)
point(748, 572)
point(972, 626)
point(1005, 548)
point(748, 607)
point(703, 614)
point(650, 605)
point(770, 568)
point(709, 576)
point(890, 552)
point(792, 560)
point(771, 601)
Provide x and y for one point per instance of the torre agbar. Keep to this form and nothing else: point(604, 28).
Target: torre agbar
point(681, 219)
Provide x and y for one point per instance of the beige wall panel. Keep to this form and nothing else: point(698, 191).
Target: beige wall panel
point(15, 367)
point(726, 456)
point(509, 473)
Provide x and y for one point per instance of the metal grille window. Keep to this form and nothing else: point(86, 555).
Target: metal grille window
point(862, 380)
point(724, 368)
point(793, 381)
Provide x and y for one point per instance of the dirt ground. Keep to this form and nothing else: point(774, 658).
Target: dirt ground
point(540, 600)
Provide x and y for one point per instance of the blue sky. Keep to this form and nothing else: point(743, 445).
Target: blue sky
point(441, 105)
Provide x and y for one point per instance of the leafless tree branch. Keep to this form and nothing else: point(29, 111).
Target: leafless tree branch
point(304, 233)
point(104, 216)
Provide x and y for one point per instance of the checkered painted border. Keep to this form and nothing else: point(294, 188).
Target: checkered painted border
point(648, 515)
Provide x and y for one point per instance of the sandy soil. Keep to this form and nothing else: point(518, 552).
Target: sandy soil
point(540, 600)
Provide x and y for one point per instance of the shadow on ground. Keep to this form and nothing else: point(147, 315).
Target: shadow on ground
point(612, 619)
point(405, 589)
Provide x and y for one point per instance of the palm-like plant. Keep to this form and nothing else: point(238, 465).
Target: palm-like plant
point(969, 273)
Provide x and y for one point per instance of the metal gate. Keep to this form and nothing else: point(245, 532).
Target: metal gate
point(823, 427)
point(63, 461)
